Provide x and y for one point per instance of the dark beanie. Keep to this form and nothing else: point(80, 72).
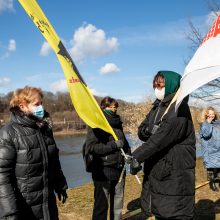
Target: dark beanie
point(172, 81)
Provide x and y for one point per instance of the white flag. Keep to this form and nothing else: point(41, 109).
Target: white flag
point(204, 65)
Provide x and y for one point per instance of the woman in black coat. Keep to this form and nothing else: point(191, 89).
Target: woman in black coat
point(107, 167)
point(168, 153)
point(30, 170)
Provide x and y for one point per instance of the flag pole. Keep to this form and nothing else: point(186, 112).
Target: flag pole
point(88, 110)
point(172, 101)
point(126, 157)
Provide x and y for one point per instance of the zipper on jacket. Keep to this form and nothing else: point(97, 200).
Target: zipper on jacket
point(158, 110)
point(45, 163)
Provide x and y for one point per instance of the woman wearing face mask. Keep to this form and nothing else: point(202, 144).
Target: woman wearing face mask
point(168, 153)
point(210, 145)
point(30, 170)
point(108, 164)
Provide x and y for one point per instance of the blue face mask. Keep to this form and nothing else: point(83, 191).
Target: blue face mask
point(38, 111)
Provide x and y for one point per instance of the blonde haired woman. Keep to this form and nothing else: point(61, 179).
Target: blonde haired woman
point(30, 169)
point(207, 112)
point(210, 144)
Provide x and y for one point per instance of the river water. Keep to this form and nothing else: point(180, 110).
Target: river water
point(71, 158)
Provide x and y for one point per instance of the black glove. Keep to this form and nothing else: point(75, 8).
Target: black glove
point(145, 131)
point(119, 134)
point(119, 144)
point(135, 166)
point(62, 195)
point(128, 159)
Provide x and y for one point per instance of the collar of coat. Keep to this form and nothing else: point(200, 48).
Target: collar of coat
point(30, 120)
point(165, 102)
point(114, 120)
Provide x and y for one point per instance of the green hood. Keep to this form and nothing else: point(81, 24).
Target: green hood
point(172, 81)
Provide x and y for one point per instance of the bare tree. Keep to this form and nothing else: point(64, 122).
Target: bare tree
point(195, 36)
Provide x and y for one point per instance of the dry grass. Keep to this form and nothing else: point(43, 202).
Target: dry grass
point(80, 202)
point(207, 201)
point(133, 114)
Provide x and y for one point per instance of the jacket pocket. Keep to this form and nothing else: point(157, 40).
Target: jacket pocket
point(162, 169)
point(112, 160)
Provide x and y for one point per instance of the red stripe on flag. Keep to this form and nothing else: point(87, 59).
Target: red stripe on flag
point(213, 32)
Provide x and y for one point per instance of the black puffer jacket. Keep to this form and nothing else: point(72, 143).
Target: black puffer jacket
point(29, 170)
point(169, 161)
point(108, 161)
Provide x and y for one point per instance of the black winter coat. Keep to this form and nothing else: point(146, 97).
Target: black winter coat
point(169, 161)
point(107, 159)
point(30, 170)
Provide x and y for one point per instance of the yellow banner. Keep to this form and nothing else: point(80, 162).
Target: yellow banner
point(82, 99)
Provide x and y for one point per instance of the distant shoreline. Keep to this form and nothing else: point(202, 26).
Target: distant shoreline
point(76, 132)
point(69, 132)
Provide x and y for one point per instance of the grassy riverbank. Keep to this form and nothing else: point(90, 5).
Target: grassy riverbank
point(80, 201)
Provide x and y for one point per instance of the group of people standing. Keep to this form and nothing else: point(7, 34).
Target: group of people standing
point(31, 174)
point(168, 153)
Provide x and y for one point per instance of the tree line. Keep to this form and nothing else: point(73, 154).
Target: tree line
point(61, 110)
point(65, 118)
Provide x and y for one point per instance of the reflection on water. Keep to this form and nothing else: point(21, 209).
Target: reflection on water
point(71, 160)
point(71, 157)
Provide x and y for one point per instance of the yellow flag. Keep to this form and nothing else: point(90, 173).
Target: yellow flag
point(82, 99)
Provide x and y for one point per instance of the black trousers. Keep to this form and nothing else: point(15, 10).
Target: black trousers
point(213, 173)
point(112, 191)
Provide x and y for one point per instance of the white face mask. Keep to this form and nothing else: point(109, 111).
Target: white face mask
point(160, 93)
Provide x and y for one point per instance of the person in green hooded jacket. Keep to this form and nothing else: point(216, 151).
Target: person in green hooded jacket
point(168, 152)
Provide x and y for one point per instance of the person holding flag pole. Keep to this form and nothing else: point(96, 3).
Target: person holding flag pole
point(107, 164)
point(202, 68)
point(168, 153)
